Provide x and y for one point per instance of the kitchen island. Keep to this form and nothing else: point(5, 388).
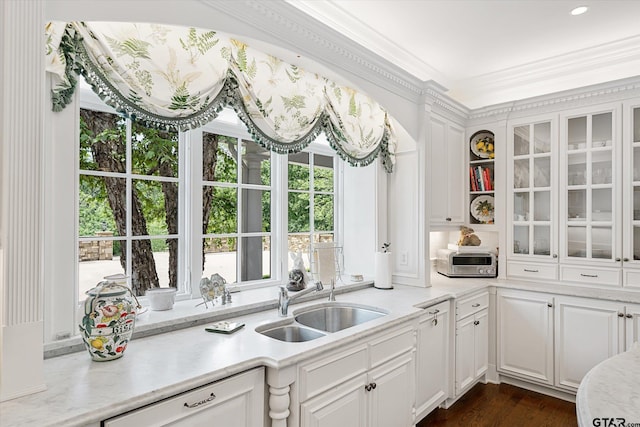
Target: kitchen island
point(610, 393)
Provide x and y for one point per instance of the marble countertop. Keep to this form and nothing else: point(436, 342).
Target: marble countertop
point(611, 390)
point(80, 391)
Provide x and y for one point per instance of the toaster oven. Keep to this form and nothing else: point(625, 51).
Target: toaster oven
point(452, 263)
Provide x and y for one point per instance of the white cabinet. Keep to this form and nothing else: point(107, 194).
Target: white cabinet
point(631, 195)
point(525, 335)
point(371, 384)
point(472, 340)
point(632, 324)
point(587, 332)
point(237, 401)
point(556, 340)
point(447, 172)
point(532, 203)
point(432, 359)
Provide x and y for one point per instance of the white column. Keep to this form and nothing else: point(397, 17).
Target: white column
point(21, 123)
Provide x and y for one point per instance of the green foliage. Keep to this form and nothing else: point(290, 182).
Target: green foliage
point(200, 43)
point(135, 48)
point(295, 102)
point(182, 100)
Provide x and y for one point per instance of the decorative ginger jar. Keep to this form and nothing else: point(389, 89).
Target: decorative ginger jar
point(108, 320)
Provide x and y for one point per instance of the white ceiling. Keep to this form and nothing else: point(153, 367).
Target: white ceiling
point(486, 52)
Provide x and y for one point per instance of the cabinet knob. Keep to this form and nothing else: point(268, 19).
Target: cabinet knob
point(549, 305)
point(373, 386)
point(367, 387)
point(617, 259)
point(448, 219)
point(477, 322)
point(555, 255)
point(625, 259)
point(629, 316)
point(620, 314)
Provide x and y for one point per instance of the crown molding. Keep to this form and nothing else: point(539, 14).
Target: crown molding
point(612, 91)
point(289, 27)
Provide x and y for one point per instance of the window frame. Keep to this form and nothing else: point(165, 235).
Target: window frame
point(61, 311)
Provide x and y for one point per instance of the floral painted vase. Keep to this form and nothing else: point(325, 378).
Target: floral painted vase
point(108, 321)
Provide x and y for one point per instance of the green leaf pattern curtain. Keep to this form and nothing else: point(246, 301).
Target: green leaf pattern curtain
point(180, 78)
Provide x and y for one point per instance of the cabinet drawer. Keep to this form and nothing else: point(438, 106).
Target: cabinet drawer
point(532, 271)
point(330, 371)
point(235, 401)
point(391, 345)
point(631, 279)
point(470, 305)
point(594, 276)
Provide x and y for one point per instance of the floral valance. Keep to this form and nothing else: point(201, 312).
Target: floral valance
point(180, 78)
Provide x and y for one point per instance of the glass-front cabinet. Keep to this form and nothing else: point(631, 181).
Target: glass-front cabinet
point(590, 206)
point(631, 196)
point(532, 179)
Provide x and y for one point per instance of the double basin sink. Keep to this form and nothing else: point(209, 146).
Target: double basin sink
point(316, 321)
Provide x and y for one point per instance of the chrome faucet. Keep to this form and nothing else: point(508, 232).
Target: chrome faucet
point(332, 296)
point(284, 299)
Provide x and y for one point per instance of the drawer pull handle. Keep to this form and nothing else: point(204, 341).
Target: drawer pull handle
point(476, 305)
point(530, 271)
point(434, 312)
point(588, 275)
point(202, 402)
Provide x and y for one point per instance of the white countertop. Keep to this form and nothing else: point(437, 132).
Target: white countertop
point(611, 390)
point(81, 391)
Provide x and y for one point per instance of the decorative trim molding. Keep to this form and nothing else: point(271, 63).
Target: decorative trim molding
point(295, 30)
point(595, 94)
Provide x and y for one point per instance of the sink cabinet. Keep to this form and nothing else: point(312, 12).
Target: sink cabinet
point(432, 358)
point(370, 384)
point(472, 341)
point(237, 401)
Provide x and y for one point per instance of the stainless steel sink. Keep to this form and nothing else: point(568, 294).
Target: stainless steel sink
point(291, 333)
point(335, 317)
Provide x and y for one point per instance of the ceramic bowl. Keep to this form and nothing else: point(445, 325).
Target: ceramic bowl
point(161, 298)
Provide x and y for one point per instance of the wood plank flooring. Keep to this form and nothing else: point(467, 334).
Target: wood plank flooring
point(504, 405)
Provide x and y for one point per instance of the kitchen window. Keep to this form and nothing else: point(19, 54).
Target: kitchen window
point(168, 208)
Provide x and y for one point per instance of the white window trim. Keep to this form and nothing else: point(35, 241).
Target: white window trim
point(61, 312)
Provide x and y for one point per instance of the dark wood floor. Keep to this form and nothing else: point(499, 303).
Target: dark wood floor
point(504, 405)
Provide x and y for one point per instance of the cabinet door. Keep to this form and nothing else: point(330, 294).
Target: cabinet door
point(632, 324)
point(587, 332)
point(432, 359)
point(525, 335)
point(532, 204)
point(631, 199)
point(481, 343)
point(465, 358)
point(392, 395)
point(591, 211)
point(343, 405)
point(447, 172)
point(234, 402)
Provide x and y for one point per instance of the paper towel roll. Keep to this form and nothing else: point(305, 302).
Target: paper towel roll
point(384, 268)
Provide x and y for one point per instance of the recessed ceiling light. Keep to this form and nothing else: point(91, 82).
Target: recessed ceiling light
point(579, 10)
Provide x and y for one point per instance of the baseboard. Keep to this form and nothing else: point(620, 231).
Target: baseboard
point(549, 391)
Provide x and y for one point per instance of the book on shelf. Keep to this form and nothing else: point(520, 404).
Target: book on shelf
point(480, 179)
